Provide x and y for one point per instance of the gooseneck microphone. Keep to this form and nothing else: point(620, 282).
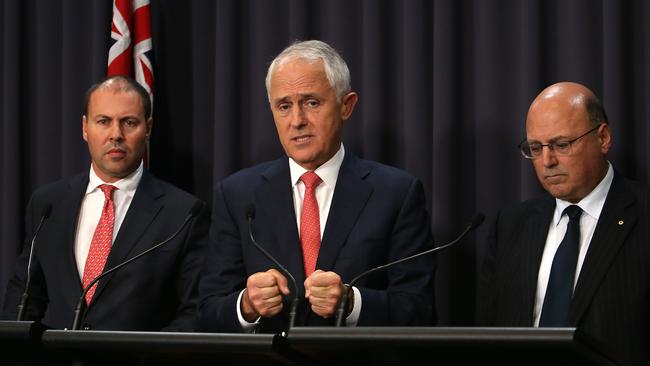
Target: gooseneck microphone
point(78, 312)
point(250, 215)
point(45, 213)
point(476, 220)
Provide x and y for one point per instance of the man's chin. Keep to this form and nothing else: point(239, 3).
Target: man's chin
point(306, 161)
point(555, 190)
point(561, 194)
point(120, 170)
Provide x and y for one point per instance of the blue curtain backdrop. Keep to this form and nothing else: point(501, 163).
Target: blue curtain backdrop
point(444, 88)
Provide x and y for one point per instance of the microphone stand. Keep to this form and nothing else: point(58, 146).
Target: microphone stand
point(477, 219)
point(294, 303)
point(25, 296)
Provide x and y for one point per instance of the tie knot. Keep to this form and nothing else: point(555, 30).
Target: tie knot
point(310, 179)
point(573, 212)
point(108, 190)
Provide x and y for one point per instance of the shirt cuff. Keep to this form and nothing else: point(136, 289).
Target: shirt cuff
point(246, 326)
point(353, 318)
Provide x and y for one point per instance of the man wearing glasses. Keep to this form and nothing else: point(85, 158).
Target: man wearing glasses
point(581, 257)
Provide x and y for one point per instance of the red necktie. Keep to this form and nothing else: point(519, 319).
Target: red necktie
point(101, 243)
point(310, 223)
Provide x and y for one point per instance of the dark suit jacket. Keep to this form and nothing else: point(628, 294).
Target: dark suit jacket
point(611, 301)
point(157, 291)
point(377, 215)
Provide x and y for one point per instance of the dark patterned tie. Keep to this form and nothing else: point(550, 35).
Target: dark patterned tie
point(555, 311)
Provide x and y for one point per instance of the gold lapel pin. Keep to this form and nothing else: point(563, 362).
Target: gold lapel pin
point(621, 222)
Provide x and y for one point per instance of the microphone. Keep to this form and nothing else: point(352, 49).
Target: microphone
point(476, 220)
point(78, 312)
point(250, 215)
point(45, 213)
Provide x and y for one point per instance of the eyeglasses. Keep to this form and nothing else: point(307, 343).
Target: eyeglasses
point(533, 150)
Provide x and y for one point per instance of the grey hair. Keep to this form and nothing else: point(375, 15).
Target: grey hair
point(336, 70)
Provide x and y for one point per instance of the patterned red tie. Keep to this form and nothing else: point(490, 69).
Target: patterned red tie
point(101, 244)
point(310, 222)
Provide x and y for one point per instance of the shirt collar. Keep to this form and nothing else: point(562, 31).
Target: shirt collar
point(126, 185)
point(593, 203)
point(328, 172)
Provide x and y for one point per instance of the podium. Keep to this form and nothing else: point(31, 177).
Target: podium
point(167, 348)
point(27, 343)
point(453, 346)
point(20, 332)
point(20, 343)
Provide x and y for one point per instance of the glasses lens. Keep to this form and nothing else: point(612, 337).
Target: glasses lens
point(525, 150)
point(562, 147)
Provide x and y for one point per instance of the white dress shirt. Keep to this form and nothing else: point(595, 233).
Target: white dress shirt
point(328, 173)
point(591, 205)
point(91, 210)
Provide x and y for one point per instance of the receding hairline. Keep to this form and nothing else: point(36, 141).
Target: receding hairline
point(121, 84)
point(116, 85)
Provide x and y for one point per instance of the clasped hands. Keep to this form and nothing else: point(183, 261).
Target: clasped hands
point(264, 290)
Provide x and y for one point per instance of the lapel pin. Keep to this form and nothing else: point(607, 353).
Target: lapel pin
point(621, 222)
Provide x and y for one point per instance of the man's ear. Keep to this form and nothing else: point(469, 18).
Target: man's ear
point(84, 126)
point(605, 138)
point(149, 127)
point(347, 104)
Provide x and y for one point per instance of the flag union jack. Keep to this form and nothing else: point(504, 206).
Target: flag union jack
point(131, 51)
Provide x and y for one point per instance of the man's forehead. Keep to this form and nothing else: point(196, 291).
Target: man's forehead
point(299, 86)
point(114, 92)
point(99, 105)
point(554, 124)
point(299, 73)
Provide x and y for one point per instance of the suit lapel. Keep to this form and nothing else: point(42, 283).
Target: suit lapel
point(143, 209)
point(350, 196)
point(274, 205)
point(536, 233)
point(618, 217)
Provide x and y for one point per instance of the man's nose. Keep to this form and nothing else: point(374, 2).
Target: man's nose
point(115, 131)
point(548, 156)
point(298, 117)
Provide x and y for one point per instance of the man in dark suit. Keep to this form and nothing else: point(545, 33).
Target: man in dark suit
point(105, 216)
point(356, 215)
point(602, 286)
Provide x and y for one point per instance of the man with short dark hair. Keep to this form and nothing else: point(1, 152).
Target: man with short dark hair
point(105, 216)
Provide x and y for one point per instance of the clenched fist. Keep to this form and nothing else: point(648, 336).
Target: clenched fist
point(263, 295)
point(324, 291)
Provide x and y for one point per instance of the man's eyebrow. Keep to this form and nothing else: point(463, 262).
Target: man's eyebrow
point(555, 138)
point(130, 116)
point(302, 96)
point(280, 99)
